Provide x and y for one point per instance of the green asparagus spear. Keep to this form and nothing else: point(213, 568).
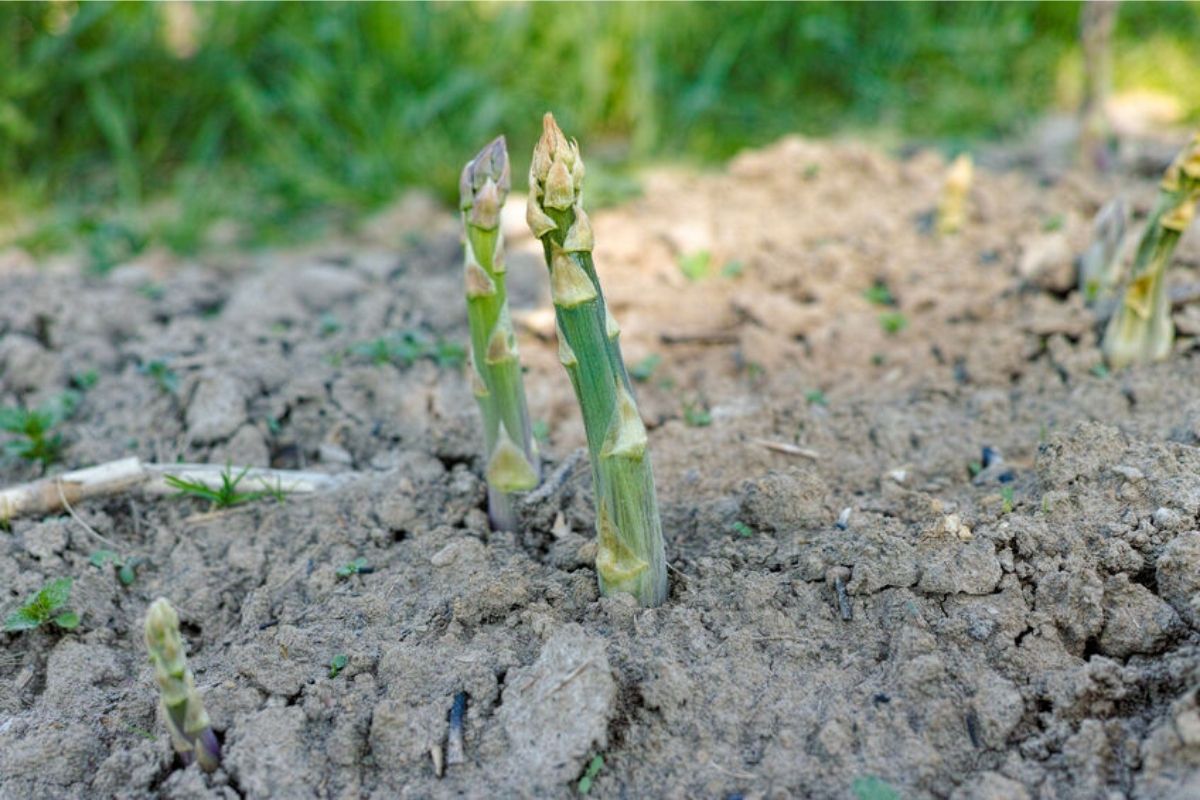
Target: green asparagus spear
point(512, 460)
point(629, 555)
point(187, 721)
point(1141, 330)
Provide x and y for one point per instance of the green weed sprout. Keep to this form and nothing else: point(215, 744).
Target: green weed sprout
point(630, 555)
point(1100, 265)
point(34, 429)
point(227, 496)
point(45, 606)
point(191, 732)
point(495, 368)
point(1141, 330)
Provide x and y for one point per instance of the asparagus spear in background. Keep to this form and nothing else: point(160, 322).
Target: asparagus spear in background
point(186, 719)
point(952, 206)
point(1141, 330)
point(629, 556)
point(1100, 265)
point(512, 461)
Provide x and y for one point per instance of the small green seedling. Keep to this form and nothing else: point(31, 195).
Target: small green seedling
point(975, 467)
point(643, 370)
point(1006, 495)
point(696, 415)
point(165, 378)
point(48, 605)
point(695, 266)
point(742, 529)
point(36, 440)
point(85, 380)
point(227, 496)
point(126, 567)
point(812, 171)
point(1099, 370)
point(589, 775)
point(892, 322)
point(880, 295)
point(815, 397)
point(405, 348)
point(1054, 222)
point(358, 566)
point(337, 664)
point(733, 269)
point(541, 430)
point(151, 290)
point(872, 788)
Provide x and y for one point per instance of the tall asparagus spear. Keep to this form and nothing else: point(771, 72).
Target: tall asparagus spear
point(1141, 330)
point(629, 555)
point(512, 461)
point(187, 721)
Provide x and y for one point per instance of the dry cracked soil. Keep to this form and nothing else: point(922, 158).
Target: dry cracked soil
point(1020, 625)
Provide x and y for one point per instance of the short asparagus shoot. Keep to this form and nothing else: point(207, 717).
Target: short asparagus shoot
point(1100, 265)
point(495, 369)
point(1141, 330)
point(952, 206)
point(629, 556)
point(191, 732)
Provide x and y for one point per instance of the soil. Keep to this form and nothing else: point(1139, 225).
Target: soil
point(1029, 631)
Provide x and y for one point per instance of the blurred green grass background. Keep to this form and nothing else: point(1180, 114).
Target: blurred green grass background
point(129, 125)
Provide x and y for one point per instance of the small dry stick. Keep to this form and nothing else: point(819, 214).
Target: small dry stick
point(788, 449)
point(57, 493)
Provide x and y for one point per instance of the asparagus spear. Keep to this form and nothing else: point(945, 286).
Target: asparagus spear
point(629, 556)
point(512, 460)
point(186, 719)
point(952, 205)
point(1141, 330)
point(1100, 265)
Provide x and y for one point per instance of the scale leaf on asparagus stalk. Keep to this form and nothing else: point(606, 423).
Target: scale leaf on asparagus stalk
point(191, 732)
point(1141, 330)
point(495, 369)
point(629, 555)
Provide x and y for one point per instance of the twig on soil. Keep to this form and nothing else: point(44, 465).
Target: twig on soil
point(570, 676)
point(62, 496)
point(844, 607)
point(788, 449)
point(50, 495)
point(454, 739)
point(742, 775)
point(679, 572)
point(557, 478)
point(699, 337)
point(439, 765)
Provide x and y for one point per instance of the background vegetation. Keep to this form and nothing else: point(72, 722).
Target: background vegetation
point(123, 125)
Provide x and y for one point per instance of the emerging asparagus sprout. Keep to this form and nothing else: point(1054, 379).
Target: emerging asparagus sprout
point(1141, 330)
point(495, 370)
point(191, 732)
point(630, 555)
point(952, 207)
point(1100, 265)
